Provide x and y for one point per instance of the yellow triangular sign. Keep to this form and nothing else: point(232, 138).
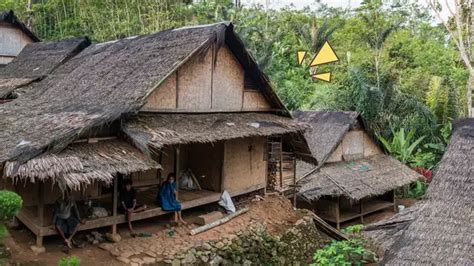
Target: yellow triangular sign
point(323, 76)
point(301, 56)
point(325, 55)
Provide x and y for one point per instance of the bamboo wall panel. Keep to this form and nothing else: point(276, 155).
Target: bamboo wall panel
point(228, 81)
point(12, 40)
point(194, 83)
point(164, 96)
point(255, 100)
point(353, 145)
point(244, 169)
point(370, 147)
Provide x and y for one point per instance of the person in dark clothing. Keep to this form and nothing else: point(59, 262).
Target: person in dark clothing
point(66, 218)
point(129, 203)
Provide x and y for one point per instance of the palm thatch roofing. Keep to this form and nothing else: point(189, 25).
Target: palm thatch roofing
point(105, 82)
point(374, 175)
point(441, 232)
point(81, 164)
point(158, 130)
point(327, 130)
point(10, 18)
point(36, 61)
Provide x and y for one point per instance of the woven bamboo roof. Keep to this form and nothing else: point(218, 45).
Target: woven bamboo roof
point(441, 232)
point(357, 179)
point(81, 164)
point(158, 130)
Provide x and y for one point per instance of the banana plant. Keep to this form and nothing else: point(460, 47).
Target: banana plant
point(402, 146)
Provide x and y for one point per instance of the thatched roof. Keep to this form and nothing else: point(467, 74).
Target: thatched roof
point(81, 164)
point(10, 18)
point(384, 233)
point(105, 82)
point(358, 179)
point(442, 231)
point(158, 130)
point(36, 61)
point(327, 130)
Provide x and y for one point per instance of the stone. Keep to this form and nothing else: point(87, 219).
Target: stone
point(150, 253)
point(219, 245)
point(189, 258)
point(216, 260)
point(106, 246)
point(148, 260)
point(127, 253)
point(175, 262)
point(204, 259)
point(134, 264)
point(114, 238)
point(37, 250)
point(124, 260)
point(206, 246)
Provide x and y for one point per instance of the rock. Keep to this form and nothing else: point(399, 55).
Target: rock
point(189, 258)
point(148, 260)
point(134, 264)
point(95, 242)
point(37, 250)
point(206, 246)
point(114, 238)
point(124, 260)
point(204, 259)
point(106, 246)
point(150, 253)
point(216, 260)
point(175, 262)
point(127, 253)
point(137, 260)
point(219, 245)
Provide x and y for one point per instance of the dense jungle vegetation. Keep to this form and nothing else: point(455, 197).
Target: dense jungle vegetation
point(397, 67)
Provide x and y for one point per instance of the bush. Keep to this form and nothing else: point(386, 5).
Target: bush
point(347, 252)
point(69, 261)
point(353, 229)
point(10, 204)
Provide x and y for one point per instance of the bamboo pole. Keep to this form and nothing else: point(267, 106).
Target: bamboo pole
point(218, 222)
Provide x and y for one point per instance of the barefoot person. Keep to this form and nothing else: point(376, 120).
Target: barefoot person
point(129, 203)
point(66, 218)
point(167, 196)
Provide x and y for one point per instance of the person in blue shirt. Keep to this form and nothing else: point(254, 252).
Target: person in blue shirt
point(167, 198)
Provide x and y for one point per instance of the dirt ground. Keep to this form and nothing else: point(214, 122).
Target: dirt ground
point(274, 211)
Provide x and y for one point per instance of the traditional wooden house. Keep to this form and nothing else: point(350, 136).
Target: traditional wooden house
point(354, 177)
point(438, 230)
point(183, 100)
point(14, 36)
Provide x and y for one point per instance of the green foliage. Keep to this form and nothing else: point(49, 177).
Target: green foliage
point(403, 145)
point(347, 252)
point(417, 190)
point(10, 204)
point(353, 229)
point(69, 261)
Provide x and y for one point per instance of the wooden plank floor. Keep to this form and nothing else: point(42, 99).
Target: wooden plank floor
point(189, 199)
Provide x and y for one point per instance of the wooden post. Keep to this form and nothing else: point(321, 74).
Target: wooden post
point(295, 188)
point(115, 204)
point(176, 169)
point(361, 212)
point(393, 200)
point(281, 165)
point(338, 214)
point(39, 237)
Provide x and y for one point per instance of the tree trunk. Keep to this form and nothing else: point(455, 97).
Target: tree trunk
point(470, 85)
point(470, 90)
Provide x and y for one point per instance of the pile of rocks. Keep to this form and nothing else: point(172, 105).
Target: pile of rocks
point(257, 246)
point(95, 237)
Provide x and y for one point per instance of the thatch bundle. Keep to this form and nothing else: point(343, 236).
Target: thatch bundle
point(81, 164)
point(102, 84)
point(8, 85)
point(358, 179)
point(441, 233)
point(327, 130)
point(158, 130)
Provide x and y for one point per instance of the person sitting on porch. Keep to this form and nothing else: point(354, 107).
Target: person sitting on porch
point(129, 203)
point(66, 218)
point(167, 198)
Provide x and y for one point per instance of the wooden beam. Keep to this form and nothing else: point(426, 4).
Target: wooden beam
point(338, 213)
point(218, 222)
point(115, 204)
point(204, 111)
point(41, 203)
point(176, 169)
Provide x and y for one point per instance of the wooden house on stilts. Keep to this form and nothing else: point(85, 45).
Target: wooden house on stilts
point(354, 178)
point(86, 116)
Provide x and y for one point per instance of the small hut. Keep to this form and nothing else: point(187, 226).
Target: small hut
point(354, 178)
point(191, 101)
point(14, 36)
point(439, 229)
